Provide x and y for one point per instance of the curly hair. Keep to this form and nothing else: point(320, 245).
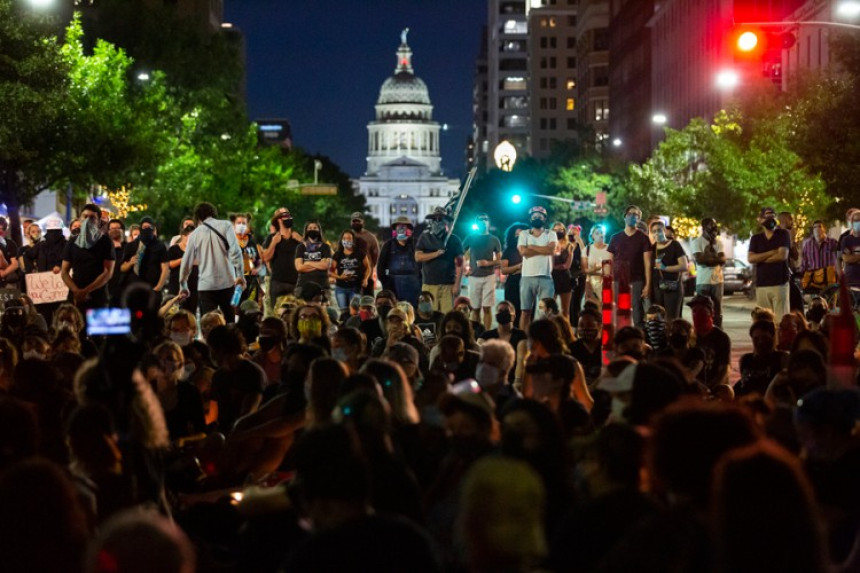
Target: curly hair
point(294, 319)
point(467, 333)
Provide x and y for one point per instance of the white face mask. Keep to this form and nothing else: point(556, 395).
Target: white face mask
point(34, 354)
point(486, 375)
point(187, 371)
point(241, 228)
point(339, 354)
point(181, 338)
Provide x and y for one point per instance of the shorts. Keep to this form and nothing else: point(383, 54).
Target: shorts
point(482, 291)
point(532, 289)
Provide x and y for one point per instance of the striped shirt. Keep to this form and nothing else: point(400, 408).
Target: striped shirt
point(818, 255)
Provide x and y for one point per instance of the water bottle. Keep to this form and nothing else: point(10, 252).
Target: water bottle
point(237, 295)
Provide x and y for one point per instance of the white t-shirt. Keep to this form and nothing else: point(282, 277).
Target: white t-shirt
point(595, 262)
point(539, 265)
point(707, 275)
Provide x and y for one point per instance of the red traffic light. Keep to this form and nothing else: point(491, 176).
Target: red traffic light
point(753, 43)
point(747, 41)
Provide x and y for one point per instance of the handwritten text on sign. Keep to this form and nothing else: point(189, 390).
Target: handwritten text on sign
point(46, 287)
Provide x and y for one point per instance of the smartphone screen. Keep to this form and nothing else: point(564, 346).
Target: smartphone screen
point(105, 321)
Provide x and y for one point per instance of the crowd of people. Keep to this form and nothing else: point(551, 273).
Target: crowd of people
point(272, 409)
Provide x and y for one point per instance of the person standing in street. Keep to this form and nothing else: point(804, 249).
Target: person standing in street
point(512, 266)
point(213, 246)
point(9, 276)
point(349, 269)
point(849, 247)
point(279, 252)
point(670, 264)
point(631, 261)
point(710, 259)
point(146, 257)
point(485, 255)
point(537, 247)
point(768, 251)
point(89, 256)
point(818, 267)
point(366, 242)
point(397, 269)
point(442, 269)
point(795, 294)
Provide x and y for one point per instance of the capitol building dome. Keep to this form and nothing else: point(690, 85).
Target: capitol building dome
point(404, 173)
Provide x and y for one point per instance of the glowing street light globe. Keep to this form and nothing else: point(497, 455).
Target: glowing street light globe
point(747, 41)
point(517, 199)
point(41, 4)
point(505, 155)
point(659, 119)
point(727, 79)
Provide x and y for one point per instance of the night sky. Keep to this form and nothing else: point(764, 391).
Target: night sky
point(320, 64)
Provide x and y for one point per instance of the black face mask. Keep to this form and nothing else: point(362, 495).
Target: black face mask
point(559, 234)
point(383, 310)
point(75, 232)
point(312, 235)
point(587, 334)
point(504, 317)
point(357, 227)
point(678, 340)
point(769, 224)
point(536, 223)
point(147, 235)
point(188, 229)
point(287, 222)
point(53, 236)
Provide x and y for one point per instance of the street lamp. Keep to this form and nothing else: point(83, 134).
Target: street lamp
point(727, 79)
point(505, 155)
point(41, 4)
point(617, 142)
point(659, 119)
point(848, 8)
point(143, 76)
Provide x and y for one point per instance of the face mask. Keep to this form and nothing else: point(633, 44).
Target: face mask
point(346, 244)
point(598, 237)
point(310, 327)
point(287, 222)
point(855, 225)
point(34, 355)
point(36, 237)
point(536, 223)
point(437, 228)
point(312, 234)
point(660, 236)
point(401, 235)
point(540, 314)
point(339, 354)
point(631, 220)
point(147, 235)
point(588, 334)
point(703, 322)
point(504, 317)
point(188, 229)
point(181, 338)
point(357, 227)
point(678, 340)
point(365, 314)
point(75, 232)
point(383, 310)
point(560, 234)
point(769, 224)
point(187, 371)
point(241, 228)
point(486, 375)
point(425, 307)
point(617, 408)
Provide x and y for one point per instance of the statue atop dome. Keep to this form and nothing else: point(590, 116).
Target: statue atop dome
point(403, 35)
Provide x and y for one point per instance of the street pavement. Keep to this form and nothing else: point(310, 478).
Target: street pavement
point(736, 323)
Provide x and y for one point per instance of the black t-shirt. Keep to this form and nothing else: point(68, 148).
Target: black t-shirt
point(669, 254)
point(717, 349)
point(173, 253)
point(313, 253)
point(758, 371)
point(10, 251)
point(441, 270)
point(283, 263)
point(770, 274)
point(153, 256)
point(592, 362)
point(353, 263)
point(88, 264)
point(230, 388)
point(629, 250)
point(512, 255)
point(430, 327)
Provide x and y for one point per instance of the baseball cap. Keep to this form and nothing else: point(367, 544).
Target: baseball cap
point(537, 209)
point(396, 313)
point(355, 301)
point(367, 300)
point(439, 213)
point(701, 299)
point(357, 216)
point(401, 352)
point(463, 300)
point(559, 364)
point(765, 210)
point(249, 307)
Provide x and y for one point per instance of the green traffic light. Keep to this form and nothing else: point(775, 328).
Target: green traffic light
point(516, 199)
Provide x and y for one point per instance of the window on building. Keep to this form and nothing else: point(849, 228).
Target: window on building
point(543, 22)
point(571, 20)
point(570, 84)
point(514, 83)
point(542, 103)
point(553, 103)
point(543, 123)
point(552, 22)
point(552, 42)
point(571, 42)
point(552, 123)
point(600, 76)
point(552, 83)
point(543, 62)
point(571, 124)
point(569, 104)
point(543, 42)
point(601, 39)
point(571, 62)
point(544, 144)
point(552, 62)
point(543, 83)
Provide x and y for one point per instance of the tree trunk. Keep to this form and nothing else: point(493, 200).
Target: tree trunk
point(10, 197)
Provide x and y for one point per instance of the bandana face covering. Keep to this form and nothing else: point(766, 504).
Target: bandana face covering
point(90, 234)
